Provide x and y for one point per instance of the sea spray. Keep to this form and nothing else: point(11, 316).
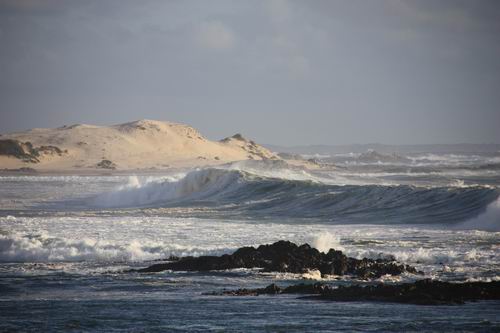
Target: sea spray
point(325, 241)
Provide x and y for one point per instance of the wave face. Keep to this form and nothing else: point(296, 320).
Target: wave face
point(237, 193)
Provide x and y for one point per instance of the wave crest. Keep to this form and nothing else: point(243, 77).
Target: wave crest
point(195, 185)
point(238, 193)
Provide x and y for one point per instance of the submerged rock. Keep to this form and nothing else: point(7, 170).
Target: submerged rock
point(423, 292)
point(284, 256)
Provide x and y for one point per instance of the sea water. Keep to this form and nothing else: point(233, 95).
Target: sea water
point(66, 243)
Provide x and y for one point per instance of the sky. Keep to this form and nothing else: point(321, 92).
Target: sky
point(279, 72)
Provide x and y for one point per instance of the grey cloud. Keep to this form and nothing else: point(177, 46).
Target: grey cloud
point(284, 72)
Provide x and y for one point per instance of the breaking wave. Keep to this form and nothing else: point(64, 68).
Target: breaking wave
point(238, 193)
point(489, 220)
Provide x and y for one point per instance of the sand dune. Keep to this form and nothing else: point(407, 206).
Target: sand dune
point(143, 144)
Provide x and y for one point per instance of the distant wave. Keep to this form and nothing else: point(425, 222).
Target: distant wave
point(243, 194)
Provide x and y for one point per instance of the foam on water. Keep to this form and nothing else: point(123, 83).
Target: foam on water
point(43, 247)
point(315, 209)
point(466, 253)
point(67, 242)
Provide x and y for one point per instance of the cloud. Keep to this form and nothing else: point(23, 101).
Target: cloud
point(299, 66)
point(279, 11)
point(30, 6)
point(215, 35)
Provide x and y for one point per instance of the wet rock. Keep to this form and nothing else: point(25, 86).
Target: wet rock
point(284, 256)
point(273, 289)
point(423, 292)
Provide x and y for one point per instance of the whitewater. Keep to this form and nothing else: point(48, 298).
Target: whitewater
point(66, 242)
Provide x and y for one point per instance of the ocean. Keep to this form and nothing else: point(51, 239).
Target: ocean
point(68, 241)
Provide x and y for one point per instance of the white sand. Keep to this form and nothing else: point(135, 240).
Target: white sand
point(143, 144)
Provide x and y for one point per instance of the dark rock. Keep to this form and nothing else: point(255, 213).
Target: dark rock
point(284, 256)
point(423, 292)
point(273, 289)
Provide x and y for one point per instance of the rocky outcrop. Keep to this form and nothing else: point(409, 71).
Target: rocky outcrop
point(423, 292)
point(284, 256)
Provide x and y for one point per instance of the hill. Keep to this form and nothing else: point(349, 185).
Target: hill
point(142, 144)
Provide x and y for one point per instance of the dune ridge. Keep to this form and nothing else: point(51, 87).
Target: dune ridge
point(142, 144)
